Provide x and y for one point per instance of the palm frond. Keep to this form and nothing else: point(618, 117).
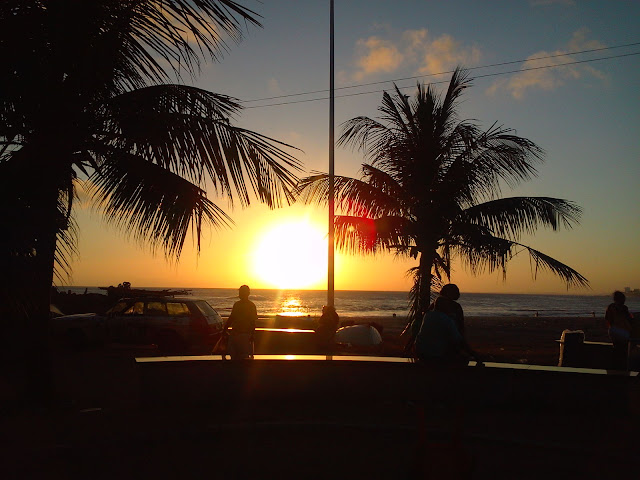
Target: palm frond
point(151, 204)
point(447, 110)
point(368, 235)
point(179, 31)
point(545, 263)
point(368, 136)
point(514, 216)
point(66, 250)
point(482, 251)
point(187, 130)
point(397, 112)
point(417, 304)
point(498, 154)
point(353, 197)
point(385, 182)
point(67, 232)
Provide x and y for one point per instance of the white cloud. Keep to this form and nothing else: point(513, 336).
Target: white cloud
point(414, 49)
point(376, 56)
point(549, 79)
point(442, 53)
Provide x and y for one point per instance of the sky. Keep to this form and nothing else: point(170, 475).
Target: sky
point(586, 116)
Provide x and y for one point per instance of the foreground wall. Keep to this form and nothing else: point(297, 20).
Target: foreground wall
point(317, 379)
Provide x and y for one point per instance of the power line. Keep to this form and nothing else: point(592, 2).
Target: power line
point(448, 72)
point(440, 81)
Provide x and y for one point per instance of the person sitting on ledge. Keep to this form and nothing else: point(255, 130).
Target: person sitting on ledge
point(446, 299)
point(327, 326)
point(438, 339)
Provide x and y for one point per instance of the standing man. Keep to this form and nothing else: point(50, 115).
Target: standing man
point(618, 320)
point(243, 325)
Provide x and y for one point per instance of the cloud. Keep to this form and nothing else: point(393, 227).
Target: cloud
point(442, 53)
point(376, 56)
point(549, 79)
point(412, 49)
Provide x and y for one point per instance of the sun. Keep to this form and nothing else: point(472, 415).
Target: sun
point(292, 255)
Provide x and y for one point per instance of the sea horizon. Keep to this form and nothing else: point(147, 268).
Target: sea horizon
point(635, 290)
point(383, 303)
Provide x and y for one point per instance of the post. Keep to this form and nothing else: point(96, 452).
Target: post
point(330, 273)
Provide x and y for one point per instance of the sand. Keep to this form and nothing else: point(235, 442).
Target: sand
point(517, 339)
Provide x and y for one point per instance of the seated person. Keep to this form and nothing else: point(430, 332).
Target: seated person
point(438, 340)
point(327, 326)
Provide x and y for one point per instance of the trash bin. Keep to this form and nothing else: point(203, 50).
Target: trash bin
point(571, 348)
point(633, 354)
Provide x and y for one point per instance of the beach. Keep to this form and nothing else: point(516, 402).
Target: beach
point(512, 339)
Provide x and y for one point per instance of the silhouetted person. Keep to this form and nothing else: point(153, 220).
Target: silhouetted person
point(446, 299)
point(437, 337)
point(618, 320)
point(243, 325)
point(327, 326)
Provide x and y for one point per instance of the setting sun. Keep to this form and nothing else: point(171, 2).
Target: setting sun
point(292, 255)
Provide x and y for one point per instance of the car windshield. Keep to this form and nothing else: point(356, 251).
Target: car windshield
point(206, 309)
point(118, 307)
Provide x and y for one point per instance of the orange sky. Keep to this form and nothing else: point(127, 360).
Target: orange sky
point(233, 257)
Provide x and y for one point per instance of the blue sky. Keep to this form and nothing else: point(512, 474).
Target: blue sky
point(586, 117)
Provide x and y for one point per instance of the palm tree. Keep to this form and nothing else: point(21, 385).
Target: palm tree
point(87, 94)
point(431, 191)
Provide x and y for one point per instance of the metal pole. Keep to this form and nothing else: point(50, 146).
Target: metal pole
point(330, 273)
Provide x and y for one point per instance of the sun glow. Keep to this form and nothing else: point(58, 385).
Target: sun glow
point(292, 255)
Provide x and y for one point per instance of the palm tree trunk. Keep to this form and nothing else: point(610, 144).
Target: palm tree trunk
point(40, 386)
point(38, 363)
point(421, 291)
point(424, 291)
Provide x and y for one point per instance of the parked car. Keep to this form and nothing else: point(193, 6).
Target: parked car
point(175, 325)
point(79, 330)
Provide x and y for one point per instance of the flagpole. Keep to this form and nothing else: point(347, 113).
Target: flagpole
point(330, 273)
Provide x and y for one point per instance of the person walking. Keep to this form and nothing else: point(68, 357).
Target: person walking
point(242, 322)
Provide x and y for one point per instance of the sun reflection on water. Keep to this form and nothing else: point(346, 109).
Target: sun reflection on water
point(292, 306)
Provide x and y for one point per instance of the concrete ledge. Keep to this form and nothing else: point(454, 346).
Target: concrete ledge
point(317, 379)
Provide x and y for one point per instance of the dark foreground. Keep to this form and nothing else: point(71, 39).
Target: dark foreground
point(119, 418)
point(334, 418)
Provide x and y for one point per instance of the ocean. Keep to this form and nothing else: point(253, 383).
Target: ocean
point(386, 304)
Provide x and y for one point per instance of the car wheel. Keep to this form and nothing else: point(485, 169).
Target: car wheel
point(76, 339)
point(170, 343)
